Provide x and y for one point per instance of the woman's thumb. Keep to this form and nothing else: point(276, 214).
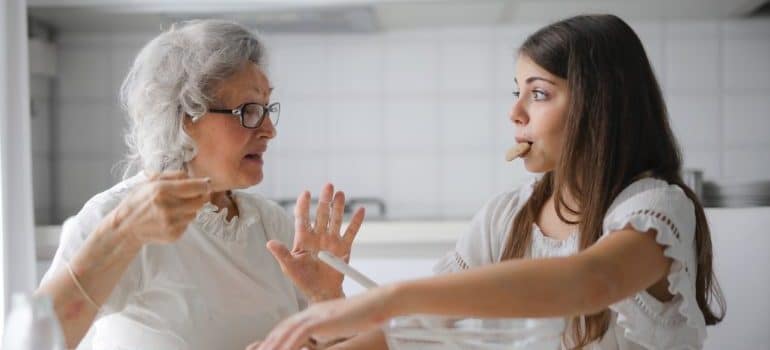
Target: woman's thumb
point(279, 251)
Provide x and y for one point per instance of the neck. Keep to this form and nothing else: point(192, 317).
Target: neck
point(224, 199)
point(570, 202)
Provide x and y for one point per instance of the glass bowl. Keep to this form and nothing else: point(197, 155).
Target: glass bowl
point(426, 332)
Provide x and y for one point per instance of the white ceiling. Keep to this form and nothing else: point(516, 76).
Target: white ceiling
point(362, 15)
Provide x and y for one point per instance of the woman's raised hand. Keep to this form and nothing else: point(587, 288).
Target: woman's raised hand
point(159, 210)
point(313, 277)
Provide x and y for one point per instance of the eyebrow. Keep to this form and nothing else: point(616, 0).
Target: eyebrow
point(533, 78)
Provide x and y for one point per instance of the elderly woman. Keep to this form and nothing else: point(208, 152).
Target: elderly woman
point(174, 257)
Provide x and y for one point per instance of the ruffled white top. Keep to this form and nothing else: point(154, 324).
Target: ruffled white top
point(217, 287)
point(640, 321)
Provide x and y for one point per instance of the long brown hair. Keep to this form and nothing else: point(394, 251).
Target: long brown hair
point(616, 130)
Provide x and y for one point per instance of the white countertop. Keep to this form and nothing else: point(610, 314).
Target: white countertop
point(372, 233)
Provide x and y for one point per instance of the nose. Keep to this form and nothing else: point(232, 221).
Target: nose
point(266, 129)
point(517, 114)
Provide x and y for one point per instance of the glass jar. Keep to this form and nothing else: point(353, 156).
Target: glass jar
point(426, 332)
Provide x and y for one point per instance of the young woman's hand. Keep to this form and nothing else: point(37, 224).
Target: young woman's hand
point(159, 210)
point(314, 278)
point(334, 318)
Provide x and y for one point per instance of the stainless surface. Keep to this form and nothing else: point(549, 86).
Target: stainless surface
point(736, 194)
point(693, 178)
point(376, 209)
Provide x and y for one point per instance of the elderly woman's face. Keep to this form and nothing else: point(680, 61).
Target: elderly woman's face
point(228, 153)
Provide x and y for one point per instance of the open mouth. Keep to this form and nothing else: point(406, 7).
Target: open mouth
point(256, 157)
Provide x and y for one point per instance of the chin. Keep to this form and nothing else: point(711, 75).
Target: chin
point(249, 180)
point(536, 167)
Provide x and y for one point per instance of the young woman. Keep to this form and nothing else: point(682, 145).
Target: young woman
point(608, 237)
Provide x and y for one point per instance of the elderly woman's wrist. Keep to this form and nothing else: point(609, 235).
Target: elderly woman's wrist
point(128, 240)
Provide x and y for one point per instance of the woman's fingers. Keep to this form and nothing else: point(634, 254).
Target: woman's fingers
point(186, 188)
point(291, 334)
point(302, 221)
point(173, 174)
point(338, 211)
point(168, 175)
point(324, 206)
point(175, 207)
point(280, 252)
point(254, 346)
point(354, 226)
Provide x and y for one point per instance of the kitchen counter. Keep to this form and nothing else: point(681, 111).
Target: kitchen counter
point(375, 238)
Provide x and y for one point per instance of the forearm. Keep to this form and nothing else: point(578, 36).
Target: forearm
point(515, 288)
point(321, 296)
point(98, 266)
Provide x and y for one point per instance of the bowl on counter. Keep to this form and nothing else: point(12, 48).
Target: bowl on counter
point(427, 332)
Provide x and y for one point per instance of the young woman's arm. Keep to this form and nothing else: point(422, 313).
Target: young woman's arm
point(614, 268)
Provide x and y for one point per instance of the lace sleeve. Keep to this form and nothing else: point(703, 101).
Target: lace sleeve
point(677, 324)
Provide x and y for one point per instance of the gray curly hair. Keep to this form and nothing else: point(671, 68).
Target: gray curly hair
point(173, 75)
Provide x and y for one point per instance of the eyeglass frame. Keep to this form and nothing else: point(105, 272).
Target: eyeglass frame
point(238, 112)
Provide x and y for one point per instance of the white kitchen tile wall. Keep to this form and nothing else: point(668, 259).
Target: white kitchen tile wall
point(305, 66)
point(411, 124)
point(86, 127)
point(411, 67)
point(420, 117)
point(466, 125)
point(303, 124)
point(747, 164)
point(745, 66)
point(78, 179)
point(296, 172)
point(710, 162)
point(356, 64)
point(693, 64)
point(465, 67)
point(466, 181)
point(85, 73)
point(747, 121)
point(703, 111)
point(359, 174)
point(412, 182)
point(652, 34)
point(354, 124)
point(40, 125)
point(41, 167)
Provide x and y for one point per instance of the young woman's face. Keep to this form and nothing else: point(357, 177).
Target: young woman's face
point(539, 114)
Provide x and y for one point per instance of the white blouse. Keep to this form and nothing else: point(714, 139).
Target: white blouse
point(640, 321)
point(217, 287)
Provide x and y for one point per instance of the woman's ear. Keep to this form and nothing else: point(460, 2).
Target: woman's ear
point(187, 123)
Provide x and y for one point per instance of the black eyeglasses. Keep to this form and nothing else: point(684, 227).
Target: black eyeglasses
point(253, 114)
